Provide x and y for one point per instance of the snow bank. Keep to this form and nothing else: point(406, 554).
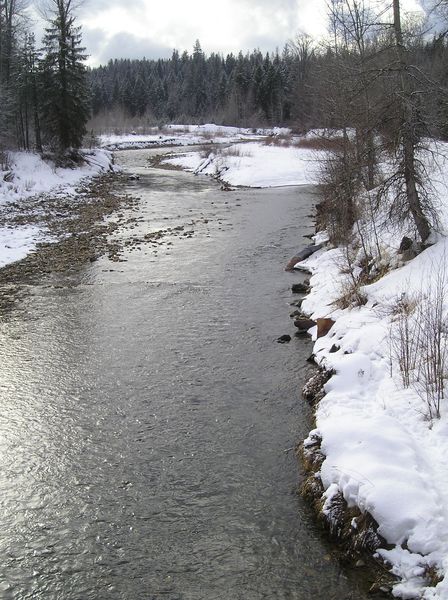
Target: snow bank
point(227, 130)
point(187, 135)
point(29, 176)
point(255, 164)
point(18, 242)
point(382, 453)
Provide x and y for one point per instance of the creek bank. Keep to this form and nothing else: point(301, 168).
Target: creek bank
point(367, 458)
point(353, 531)
point(77, 228)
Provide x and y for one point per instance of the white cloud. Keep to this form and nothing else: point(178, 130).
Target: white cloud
point(115, 29)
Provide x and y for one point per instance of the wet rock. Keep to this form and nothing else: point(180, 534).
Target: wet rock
point(284, 339)
point(334, 349)
point(315, 384)
point(133, 177)
point(301, 332)
point(304, 324)
point(298, 303)
point(300, 288)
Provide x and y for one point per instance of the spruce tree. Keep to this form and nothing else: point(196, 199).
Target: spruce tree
point(65, 98)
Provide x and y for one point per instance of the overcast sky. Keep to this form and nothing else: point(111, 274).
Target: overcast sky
point(152, 28)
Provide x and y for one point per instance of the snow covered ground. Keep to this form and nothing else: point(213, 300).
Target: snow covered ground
point(186, 135)
point(28, 175)
point(254, 164)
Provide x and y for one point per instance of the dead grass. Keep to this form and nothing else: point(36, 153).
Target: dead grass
point(236, 151)
point(320, 143)
point(207, 135)
point(351, 296)
point(284, 140)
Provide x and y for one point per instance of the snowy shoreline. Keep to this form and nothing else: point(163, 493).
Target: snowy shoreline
point(28, 177)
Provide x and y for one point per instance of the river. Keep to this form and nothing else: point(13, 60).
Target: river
point(148, 415)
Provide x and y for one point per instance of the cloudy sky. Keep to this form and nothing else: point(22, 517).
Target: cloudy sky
point(152, 28)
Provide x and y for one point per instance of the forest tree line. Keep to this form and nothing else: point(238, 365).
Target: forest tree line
point(44, 94)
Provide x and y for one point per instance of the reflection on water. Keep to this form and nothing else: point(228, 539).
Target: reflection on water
point(148, 415)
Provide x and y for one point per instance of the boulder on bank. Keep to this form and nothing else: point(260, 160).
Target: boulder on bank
point(302, 255)
point(324, 326)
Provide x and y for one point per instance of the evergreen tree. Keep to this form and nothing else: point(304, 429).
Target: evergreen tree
point(65, 98)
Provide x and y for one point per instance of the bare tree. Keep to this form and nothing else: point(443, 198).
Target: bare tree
point(410, 130)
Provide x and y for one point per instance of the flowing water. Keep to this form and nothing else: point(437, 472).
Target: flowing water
point(148, 415)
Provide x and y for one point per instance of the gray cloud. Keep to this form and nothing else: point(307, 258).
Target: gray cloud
point(122, 45)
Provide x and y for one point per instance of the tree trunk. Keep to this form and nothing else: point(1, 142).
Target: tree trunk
point(409, 137)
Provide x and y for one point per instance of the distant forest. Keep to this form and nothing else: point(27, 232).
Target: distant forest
point(306, 85)
point(243, 89)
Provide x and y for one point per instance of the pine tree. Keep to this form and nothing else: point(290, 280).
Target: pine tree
point(65, 98)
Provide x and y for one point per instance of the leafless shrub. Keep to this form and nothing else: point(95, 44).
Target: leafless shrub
point(207, 150)
point(340, 188)
point(432, 368)
point(118, 122)
point(419, 342)
point(236, 151)
point(404, 338)
point(207, 135)
point(351, 293)
point(284, 140)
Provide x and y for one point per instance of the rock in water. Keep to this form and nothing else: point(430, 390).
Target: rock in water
point(284, 339)
point(300, 288)
point(304, 324)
